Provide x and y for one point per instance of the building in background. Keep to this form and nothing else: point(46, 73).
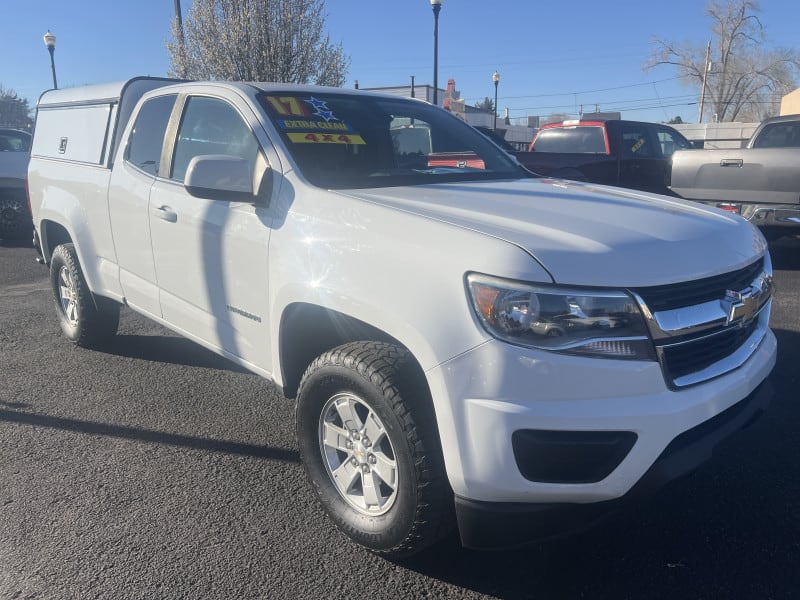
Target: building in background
point(790, 103)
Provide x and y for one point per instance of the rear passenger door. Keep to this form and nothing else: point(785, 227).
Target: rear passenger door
point(211, 254)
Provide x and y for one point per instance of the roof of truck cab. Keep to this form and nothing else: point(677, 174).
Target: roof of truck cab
point(108, 92)
point(96, 92)
point(276, 87)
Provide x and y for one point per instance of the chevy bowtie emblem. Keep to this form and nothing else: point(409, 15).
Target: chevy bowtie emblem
point(741, 306)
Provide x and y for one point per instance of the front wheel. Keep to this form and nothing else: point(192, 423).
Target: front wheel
point(85, 320)
point(368, 440)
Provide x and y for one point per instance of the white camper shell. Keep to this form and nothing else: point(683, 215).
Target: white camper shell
point(82, 124)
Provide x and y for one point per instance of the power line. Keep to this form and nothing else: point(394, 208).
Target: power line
point(604, 103)
point(609, 89)
point(605, 109)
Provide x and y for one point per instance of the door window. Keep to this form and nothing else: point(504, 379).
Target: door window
point(636, 142)
point(147, 137)
point(212, 126)
point(779, 135)
point(670, 142)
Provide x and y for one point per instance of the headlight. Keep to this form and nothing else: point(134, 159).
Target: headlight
point(598, 323)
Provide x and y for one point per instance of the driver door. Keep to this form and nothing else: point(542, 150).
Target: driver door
point(211, 254)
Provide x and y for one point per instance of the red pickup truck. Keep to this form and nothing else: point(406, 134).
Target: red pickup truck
point(631, 154)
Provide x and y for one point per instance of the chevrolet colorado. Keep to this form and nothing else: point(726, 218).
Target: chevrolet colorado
point(467, 344)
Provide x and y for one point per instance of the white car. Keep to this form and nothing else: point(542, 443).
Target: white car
point(15, 219)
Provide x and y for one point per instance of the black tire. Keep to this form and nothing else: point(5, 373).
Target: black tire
point(86, 321)
point(15, 220)
point(389, 383)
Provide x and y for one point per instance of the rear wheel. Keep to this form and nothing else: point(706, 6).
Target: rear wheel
point(85, 320)
point(368, 440)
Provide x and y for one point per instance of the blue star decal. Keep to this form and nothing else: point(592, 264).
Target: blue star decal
point(321, 108)
point(326, 114)
point(317, 104)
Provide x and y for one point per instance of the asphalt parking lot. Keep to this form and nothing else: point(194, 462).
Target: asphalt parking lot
point(155, 469)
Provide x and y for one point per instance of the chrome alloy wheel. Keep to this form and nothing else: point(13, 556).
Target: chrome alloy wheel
point(358, 455)
point(68, 295)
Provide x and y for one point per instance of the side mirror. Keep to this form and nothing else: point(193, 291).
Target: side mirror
point(220, 177)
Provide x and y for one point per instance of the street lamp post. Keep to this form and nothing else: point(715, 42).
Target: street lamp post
point(496, 79)
point(50, 42)
point(436, 5)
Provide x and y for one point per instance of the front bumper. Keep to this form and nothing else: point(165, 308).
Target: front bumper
point(496, 525)
point(484, 396)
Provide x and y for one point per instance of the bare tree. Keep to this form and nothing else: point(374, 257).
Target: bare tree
point(746, 79)
point(257, 40)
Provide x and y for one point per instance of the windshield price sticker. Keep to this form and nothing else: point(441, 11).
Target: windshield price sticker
point(306, 125)
point(288, 106)
point(325, 138)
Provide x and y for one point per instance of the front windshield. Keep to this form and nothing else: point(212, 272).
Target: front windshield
point(347, 141)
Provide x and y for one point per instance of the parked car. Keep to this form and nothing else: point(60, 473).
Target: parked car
point(479, 346)
point(15, 219)
point(630, 154)
point(761, 182)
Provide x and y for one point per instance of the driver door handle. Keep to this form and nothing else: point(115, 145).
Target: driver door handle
point(165, 213)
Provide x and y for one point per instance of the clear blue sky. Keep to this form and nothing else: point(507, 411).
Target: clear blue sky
point(552, 56)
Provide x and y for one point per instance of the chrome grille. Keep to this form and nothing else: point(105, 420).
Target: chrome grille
point(705, 328)
point(689, 293)
point(695, 355)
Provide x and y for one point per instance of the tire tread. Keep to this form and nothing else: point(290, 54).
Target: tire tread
point(96, 322)
point(391, 369)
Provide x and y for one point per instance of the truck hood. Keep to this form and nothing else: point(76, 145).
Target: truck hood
point(586, 234)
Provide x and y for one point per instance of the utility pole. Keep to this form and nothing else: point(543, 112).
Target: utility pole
point(706, 69)
point(436, 5)
point(181, 40)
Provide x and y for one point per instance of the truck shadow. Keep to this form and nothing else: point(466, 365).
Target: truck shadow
point(16, 242)
point(148, 435)
point(169, 349)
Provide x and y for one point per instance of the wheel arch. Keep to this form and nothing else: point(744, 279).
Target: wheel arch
point(52, 235)
point(308, 330)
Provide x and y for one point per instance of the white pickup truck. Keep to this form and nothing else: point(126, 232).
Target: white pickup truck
point(467, 343)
